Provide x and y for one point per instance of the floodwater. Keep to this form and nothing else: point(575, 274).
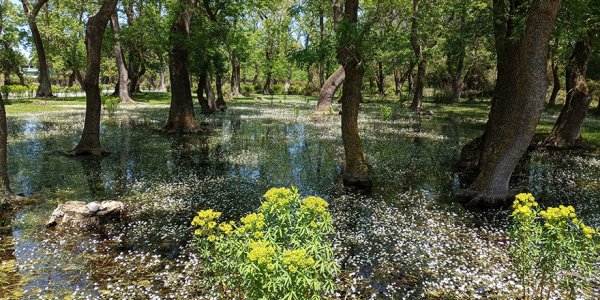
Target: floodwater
point(406, 239)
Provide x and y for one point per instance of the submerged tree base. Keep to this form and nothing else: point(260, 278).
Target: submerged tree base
point(81, 151)
point(181, 127)
point(484, 199)
point(554, 142)
point(359, 181)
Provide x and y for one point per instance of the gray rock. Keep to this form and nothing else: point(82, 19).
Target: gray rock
point(87, 216)
point(93, 207)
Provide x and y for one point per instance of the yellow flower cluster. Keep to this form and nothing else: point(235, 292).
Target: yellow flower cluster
point(261, 252)
point(314, 205)
point(524, 202)
point(277, 197)
point(205, 220)
point(253, 223)
point(589, 232)
point(554, 215)
point(226, 228)
point(297, 260)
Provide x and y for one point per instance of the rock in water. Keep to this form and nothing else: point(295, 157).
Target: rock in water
point(88, 216)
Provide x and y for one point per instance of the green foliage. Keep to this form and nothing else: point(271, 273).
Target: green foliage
point(294, 90)
point(387, 112)
point(247, 89)
point(276, 89)
point(551, 249)
point(110, 104)
point(280, 252)
point(258, 88)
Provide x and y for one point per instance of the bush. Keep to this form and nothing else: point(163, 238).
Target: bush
point(387, 112)
point(551, 249)
point(110, 104)
point(258, 88)
point(282, 251)
point(74, 89)
point(294, 90)
point(276, 89)
point(246, 89)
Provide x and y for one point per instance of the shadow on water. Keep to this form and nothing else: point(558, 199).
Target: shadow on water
point(400, 240)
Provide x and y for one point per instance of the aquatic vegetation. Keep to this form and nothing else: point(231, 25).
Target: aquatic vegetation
point(554, 252)
point(281, 252)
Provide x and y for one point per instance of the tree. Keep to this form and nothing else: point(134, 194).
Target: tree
point(122, 91)
point(94, 34)
point(7, 193)
point(519, 96)
point(182, 118)
point(567, 129)
point(31, 12)
point(415, 42)
point(583, 18)
point(329, 88)
point(349, 55)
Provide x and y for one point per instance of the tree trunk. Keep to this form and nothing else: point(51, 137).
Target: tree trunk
point(555, 85)
point(356, 172)
point(380, 79)
point(267, 87)
point(202, 83)
point(122, 91)
point(220, 103)
point(518, 100)
point(4, 181)
point(397, 83)
point(181, 113)
point(329, 88)
point(234, 84)
point(457, 78)
point(94, 34)
point(161, 84)
point(210, 95)
point(45, 86)
point(567, 130)
point(417, 102)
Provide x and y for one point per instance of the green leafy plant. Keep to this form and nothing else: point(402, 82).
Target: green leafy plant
point(282, 251)
point(247, 89)
point(552, 251)
point(294, 90)
point(110, 104)
point(276, 89)
point(387, 112)
point(258, 88)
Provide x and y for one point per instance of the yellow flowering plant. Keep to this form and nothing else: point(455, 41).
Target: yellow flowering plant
point(553, 252)
point(281, 251)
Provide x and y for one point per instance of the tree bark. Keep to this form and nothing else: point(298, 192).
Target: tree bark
point(518, 100)
point(161, 84)
point(555, 85)
point(210, 95)
point(567, 129)
point(181, 113)
point(234, 84)
point(94, 34)
point(45, 86)
point(380, 79)
point(4, 181)
point(329, 88)
point(220, 104)
point(202, 84)
point(349, 55)
point(122, 91)
point(457, 80)
point(417, 102)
